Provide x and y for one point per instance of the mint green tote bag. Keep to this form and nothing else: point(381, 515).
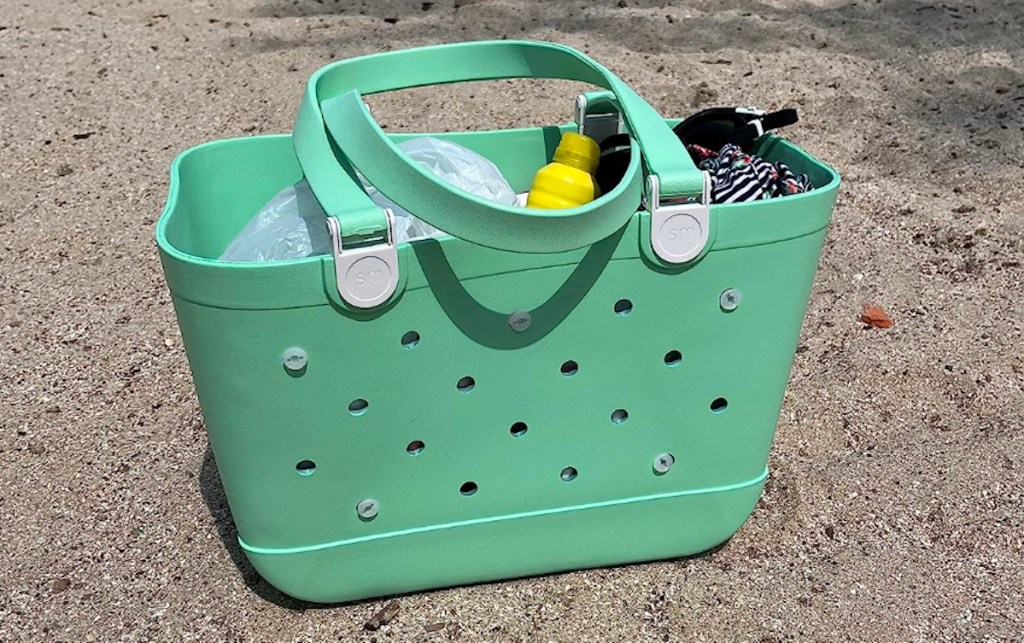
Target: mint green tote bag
point(535, 391)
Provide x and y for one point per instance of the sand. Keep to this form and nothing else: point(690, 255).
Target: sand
point(894, 507)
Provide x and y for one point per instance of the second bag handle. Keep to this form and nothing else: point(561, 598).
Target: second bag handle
point(333, 122)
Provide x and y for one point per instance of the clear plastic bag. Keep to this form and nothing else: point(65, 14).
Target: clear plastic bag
point(462, 167)
point(292, 224)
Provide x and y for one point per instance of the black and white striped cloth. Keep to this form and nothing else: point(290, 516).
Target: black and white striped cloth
point(738, 177)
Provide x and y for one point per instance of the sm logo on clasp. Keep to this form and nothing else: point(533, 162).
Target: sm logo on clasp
point(369, 278)
point(683, 234)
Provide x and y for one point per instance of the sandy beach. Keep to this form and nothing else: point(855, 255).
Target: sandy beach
point(894, 507)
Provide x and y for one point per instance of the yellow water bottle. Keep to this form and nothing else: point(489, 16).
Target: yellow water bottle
point(568, 181)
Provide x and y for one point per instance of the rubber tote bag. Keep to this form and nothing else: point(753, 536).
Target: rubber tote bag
point(534, 391)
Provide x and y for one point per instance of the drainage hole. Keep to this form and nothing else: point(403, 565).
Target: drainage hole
point(466, 384)
point(468, 488)
point(570, 368)
point(569, 474)
point(358, 407)
point(619, 416)
point(672, 358)
point(518, 429)
point(719, 404)
point(410, 339)
point(623, 307)
point(305, 468)
point(415, 447)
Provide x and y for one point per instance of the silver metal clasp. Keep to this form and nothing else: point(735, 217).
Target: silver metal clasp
point(367, 276)
point(596, 126)
point(679, 230)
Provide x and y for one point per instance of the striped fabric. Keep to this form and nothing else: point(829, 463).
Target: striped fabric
point(739, 177)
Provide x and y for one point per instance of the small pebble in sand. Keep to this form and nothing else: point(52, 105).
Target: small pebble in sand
point(386, 614)
point(874, 316)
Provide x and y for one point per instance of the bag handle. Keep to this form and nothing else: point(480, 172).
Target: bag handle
point(334, 128)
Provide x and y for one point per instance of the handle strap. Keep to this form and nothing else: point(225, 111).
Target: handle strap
point(334, 127)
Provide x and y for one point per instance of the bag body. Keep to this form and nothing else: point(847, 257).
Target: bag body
point(501, 413)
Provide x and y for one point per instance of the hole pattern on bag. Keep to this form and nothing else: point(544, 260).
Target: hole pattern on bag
point(358, 407)
point(410, 339)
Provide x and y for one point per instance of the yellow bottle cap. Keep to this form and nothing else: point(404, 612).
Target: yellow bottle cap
point(578, 151)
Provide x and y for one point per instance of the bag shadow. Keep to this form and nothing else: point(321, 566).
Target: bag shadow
point(490, 327)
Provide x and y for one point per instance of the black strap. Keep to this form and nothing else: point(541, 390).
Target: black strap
point(781, 118)
point(745, 126)
point(719, 126)
point(711, 128)
point(756, 127)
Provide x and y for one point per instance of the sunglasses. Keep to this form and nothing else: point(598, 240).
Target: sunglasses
point(710, 128)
